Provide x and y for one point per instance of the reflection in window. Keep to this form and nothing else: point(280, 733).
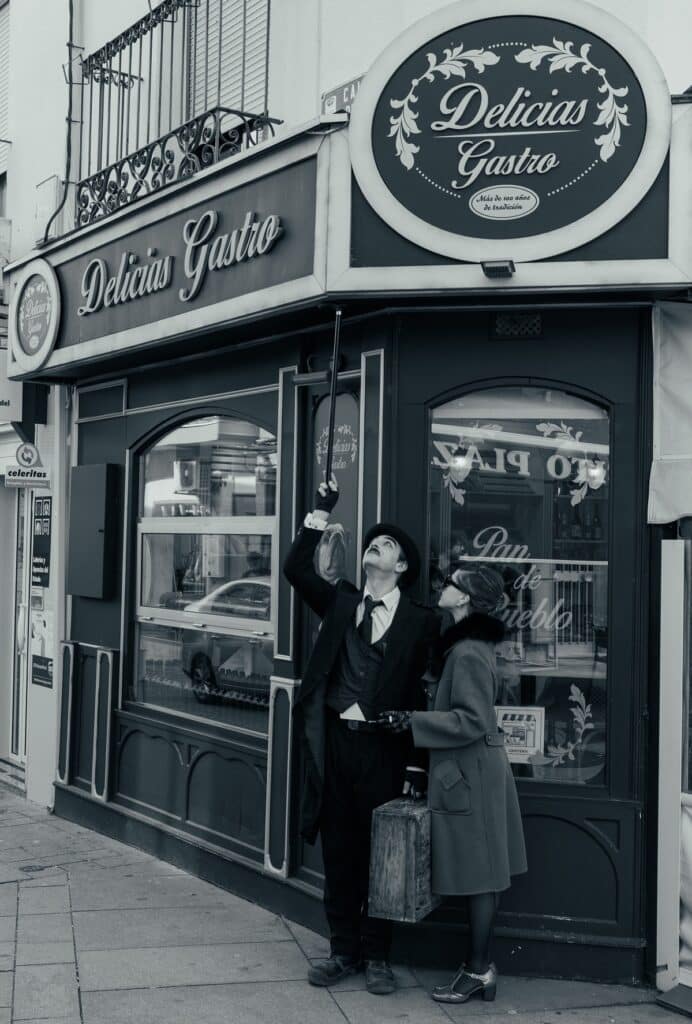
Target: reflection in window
point(215, 573)
point(519, 479)
point(205, 572)
point(209, 675)
point(211, 467)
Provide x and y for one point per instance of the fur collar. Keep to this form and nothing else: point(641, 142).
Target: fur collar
point(475, 626)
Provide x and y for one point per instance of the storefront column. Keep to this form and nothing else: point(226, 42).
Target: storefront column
point(279, 761)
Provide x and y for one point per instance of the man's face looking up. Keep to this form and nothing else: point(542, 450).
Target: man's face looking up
point(384, 554)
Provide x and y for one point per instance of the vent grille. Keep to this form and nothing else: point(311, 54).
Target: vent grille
point(517, 325)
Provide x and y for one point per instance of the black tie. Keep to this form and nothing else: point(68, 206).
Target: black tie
point(365, 628)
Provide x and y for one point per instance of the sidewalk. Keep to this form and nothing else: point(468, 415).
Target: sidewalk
point(93, 931)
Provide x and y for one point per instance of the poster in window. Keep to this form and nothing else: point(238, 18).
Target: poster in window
point(40, 552)
point(524, 729)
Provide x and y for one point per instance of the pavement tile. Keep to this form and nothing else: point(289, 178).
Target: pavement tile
point(532, 994)
point(405, 1006)
point(44, 928)
point(45, 990)
point(45, 953)
point(5, 989)
point(646, 1013)
point(289, 1003)
point(44, 877)
point(179, 926)
point(8, 927)
point(122, 892)
point(54, 899)
point(312, 944)
point(190, 965)
point(6, 956)
point(8, 900)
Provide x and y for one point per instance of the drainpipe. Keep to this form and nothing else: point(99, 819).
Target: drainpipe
point(68, 158)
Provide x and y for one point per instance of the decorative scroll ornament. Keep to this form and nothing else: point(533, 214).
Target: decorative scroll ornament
point(561, 57)
point(404, 124)
point(559, 754)
point(591, 473)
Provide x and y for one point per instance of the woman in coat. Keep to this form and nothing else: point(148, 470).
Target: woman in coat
point(477, 834)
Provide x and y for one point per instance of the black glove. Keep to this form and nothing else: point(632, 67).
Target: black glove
point(415, 783)
point(326, 497)
point(394, 721)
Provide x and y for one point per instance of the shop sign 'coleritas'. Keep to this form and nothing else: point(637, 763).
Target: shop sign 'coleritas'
point(204, 251)
point(487, 133)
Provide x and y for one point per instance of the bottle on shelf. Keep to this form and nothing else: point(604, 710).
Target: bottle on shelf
point(588, 524)
point(597, 527)
point(563, 528)
point(576, 531)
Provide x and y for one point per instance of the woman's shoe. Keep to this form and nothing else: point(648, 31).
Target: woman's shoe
point(466, 984)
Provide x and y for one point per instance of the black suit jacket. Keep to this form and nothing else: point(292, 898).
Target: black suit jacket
point(400, 686)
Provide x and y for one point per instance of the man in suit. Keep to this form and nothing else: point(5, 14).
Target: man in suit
point(369, 656)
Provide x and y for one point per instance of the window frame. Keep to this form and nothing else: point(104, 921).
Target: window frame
point(212, 623)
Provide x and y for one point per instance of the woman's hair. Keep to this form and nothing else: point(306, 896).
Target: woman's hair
point(485, 587)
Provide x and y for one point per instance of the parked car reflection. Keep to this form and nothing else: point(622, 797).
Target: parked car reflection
point(245, 599)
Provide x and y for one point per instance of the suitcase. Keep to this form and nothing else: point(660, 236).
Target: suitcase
point(400, 864)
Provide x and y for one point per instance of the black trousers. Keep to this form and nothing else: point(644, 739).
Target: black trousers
point(362, 771)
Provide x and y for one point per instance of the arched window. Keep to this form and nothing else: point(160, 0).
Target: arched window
point(519, 479)
point(205, 572)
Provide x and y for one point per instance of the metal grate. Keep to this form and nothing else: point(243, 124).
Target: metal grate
point(517, 325)
point(182, 88)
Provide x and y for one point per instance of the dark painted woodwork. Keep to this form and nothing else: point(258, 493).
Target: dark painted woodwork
point(83, 705)
point(105, 400)
point(585, 844)
point(279, 778)
point(643, 234)
point(105, 699)
point(207, 786)
point(93, 531)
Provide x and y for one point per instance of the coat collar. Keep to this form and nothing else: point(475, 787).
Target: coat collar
point(475, 626)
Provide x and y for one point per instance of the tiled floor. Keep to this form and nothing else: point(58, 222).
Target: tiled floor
point(95, 932)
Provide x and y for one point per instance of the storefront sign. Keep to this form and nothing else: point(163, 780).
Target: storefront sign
point(203, 250)
point(28, 471)
point(40, 555)
point(11, 400)
point(35, 314)
point(483, 133)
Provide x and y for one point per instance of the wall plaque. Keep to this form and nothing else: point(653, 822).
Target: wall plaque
point(481, 133)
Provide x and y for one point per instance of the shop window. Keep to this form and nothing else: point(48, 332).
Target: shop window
point(205, 572)
point(519, 479)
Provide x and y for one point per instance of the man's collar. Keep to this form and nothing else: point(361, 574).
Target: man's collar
point(390, 599)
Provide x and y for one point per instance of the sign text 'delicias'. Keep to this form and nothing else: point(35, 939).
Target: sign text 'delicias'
point(205, 249)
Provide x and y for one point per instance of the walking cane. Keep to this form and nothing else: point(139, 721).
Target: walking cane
point(332, 397)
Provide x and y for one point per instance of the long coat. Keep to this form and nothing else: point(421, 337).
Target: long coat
point(477, 833)
point(399, 686)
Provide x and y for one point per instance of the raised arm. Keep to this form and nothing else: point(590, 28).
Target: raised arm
point(299, 568)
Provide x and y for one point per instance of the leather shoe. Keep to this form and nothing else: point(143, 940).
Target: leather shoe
point(379, 978)
point(327, 972)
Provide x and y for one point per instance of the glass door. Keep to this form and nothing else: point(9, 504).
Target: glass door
point(22, 619)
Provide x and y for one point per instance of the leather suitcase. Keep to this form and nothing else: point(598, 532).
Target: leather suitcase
point(400, 864)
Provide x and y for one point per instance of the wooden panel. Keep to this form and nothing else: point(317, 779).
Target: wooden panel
point(84, 690)
point(151, 771)
point(280, 760)
point(400, 862)
point(91, 565)
point(227, 796)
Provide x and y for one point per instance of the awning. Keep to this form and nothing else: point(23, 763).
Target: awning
point(670, 484)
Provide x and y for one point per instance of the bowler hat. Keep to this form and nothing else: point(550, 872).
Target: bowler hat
point(407, 545)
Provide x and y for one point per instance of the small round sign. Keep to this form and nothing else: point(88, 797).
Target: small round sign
point(27, 456)
point(35, 315)
point(484, 133)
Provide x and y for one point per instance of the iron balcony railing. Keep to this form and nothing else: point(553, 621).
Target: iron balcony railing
point(182, 88)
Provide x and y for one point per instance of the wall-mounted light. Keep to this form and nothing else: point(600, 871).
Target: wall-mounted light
point(495, 269)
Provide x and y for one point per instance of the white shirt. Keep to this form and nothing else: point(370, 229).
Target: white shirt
point(382, 615)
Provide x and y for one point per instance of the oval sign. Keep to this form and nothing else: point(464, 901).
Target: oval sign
point(34, 315)
point(481, 133)
point(504, 202)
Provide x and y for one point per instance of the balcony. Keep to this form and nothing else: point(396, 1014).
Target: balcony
point(181, 89)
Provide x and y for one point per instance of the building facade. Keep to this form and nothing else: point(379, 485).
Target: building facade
point(496, 213)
